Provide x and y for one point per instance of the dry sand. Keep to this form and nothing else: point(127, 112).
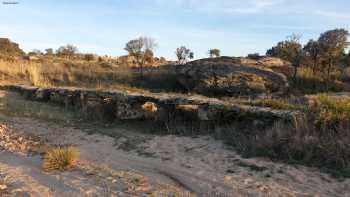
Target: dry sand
point(201, 166)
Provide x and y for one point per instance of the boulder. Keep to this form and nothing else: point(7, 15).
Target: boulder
point(225, 76)
point(135, 107)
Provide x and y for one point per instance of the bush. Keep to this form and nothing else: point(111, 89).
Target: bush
point(61, 158)
point(331, 113)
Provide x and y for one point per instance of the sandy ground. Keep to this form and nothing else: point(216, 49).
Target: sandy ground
point(154, 166)
point(201, 166)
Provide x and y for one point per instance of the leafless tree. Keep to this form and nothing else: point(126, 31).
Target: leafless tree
point(142, 49)
point(67, 51)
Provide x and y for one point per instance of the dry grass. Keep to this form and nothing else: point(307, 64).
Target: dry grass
point(282, 104)
point(331, 113)
point(320, 138)
point(14, 105)
point(312, 83)
point(61, 158)
point(58, 72)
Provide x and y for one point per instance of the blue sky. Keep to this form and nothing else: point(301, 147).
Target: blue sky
point(104, 26)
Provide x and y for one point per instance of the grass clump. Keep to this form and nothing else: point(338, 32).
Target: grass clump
point(61, 158)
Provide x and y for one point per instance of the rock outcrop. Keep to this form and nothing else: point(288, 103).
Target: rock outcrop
point(226, 76)
point(120, 105)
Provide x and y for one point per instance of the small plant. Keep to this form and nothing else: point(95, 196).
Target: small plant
point(61, 158)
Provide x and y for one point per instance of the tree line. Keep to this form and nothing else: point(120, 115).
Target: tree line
point(323, 55)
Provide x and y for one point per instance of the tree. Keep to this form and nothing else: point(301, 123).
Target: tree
point(332, 45)
point(49, 51)
point(183, 54)
point(9, 48)
point(290, 50)
point(67, 51)
point(214, 53)
point(142, 49)
point(313, 52)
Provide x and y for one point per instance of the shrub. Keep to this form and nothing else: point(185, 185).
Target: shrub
point(61, 158)
point(331, 113)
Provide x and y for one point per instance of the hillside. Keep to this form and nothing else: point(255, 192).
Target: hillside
point(137, 125)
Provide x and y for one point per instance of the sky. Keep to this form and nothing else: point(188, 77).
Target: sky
point(103, 27)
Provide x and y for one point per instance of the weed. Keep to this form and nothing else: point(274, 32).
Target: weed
point(61, 158)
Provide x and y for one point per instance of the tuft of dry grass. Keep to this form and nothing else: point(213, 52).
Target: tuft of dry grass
point(61, 158)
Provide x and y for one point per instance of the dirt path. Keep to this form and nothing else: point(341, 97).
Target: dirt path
point(202, 166)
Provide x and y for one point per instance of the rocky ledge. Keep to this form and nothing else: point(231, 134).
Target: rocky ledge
point(119, 105)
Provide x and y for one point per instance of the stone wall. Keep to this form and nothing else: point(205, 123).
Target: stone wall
point(113, 105)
